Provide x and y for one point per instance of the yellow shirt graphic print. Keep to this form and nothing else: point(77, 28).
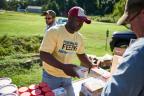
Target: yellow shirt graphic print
point(63, 46)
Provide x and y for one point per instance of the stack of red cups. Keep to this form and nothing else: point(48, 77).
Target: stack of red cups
point(41, 89)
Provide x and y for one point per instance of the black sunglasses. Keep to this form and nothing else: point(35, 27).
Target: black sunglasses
point(48, 18)
point(129, 19)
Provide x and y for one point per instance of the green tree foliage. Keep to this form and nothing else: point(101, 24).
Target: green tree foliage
point(53, 6)
point(12, 4)
point(89, 5)
point(80, 3)
point(70, 4)
point(92, 7)
point(3, 4)
point(62, 7)
point(119, 8)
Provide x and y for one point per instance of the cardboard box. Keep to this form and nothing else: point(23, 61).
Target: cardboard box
point(100, 73)
point(119, 51)
point(93, 87)
point(116, 61)
point(81, 71)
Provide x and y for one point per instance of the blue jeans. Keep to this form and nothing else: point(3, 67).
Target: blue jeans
point(56, 82)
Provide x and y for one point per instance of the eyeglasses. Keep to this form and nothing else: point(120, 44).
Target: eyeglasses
point(131, 18)
point(48, 18)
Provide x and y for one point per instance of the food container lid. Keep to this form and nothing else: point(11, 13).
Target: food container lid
point(22, 89)
point(5, 81)
point(36, 92)
point(33, 87)
point(11, 88)
point(26, 94)
point(11, 94)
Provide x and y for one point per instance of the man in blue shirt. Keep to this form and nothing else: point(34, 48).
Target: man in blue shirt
point(128, 80)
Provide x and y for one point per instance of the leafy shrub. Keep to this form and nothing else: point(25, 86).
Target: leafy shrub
point(11, 44)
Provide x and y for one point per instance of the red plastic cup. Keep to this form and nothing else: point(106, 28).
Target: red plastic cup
point(46, 89)
point(43, 84)
point(36, 92)
point(49, 94)
point(22, 90)
point(26, 94)
point(33, 87)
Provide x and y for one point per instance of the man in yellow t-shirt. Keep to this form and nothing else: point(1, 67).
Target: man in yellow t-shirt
point(59, 46)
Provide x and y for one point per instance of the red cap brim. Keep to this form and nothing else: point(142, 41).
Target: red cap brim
point(85, 19)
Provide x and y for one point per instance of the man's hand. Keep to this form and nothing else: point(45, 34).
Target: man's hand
point(69, 70)
point(98, 63)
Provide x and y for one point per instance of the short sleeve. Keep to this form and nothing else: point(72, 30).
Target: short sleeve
point(49, 41)
point(81, 48)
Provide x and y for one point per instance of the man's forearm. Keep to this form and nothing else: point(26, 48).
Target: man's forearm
point(85, 60)
point(49, 59)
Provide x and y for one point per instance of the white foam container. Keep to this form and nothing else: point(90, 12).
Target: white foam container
point(5, 81)
point(8, 89)
point(11, 94)
point(81, 71)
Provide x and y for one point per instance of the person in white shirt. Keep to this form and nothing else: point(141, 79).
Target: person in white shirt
point(50, 18)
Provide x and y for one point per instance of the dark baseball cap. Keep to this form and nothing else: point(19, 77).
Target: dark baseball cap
point(50, 12)
point(131, 6)
point(79, 13)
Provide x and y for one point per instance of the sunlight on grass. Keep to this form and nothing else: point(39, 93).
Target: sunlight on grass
point(21, 24)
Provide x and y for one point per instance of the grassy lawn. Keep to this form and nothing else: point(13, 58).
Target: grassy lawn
point(22, 73)
point(20, 24)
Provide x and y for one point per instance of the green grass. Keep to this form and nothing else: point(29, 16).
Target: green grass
point(20, 24)
point(22, 74)
point(33, 76)
point(95, 36)
point(13, 23)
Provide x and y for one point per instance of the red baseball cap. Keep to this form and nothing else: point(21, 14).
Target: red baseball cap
point(80, 13)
